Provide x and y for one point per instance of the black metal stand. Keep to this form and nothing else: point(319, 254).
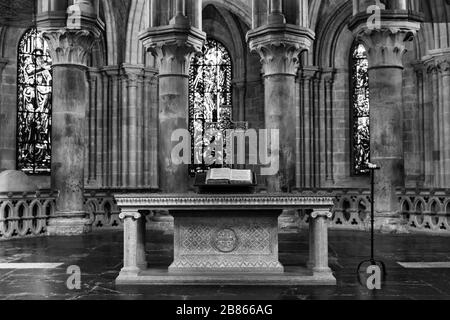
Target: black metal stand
point(372, 261)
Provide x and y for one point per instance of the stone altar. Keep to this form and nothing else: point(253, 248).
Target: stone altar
point(224, 240)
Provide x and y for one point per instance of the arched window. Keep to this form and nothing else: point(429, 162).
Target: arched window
point(360, 110)
point(209, 97)
point(34, 104)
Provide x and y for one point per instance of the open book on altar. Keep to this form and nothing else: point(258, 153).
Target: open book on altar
point(228, 176)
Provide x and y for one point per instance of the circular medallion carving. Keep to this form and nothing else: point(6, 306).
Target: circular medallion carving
point(226, 240)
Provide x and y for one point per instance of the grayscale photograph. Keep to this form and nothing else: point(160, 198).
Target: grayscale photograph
point(224, 155)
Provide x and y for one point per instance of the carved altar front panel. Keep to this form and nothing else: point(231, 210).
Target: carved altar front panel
point(233, 241)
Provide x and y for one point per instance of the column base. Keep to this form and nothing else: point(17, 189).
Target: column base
point(68, 226)
point(129, 272)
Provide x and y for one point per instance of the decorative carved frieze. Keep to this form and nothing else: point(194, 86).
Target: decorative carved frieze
point(174, 202)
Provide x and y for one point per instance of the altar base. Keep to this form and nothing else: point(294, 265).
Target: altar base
point(292, 276)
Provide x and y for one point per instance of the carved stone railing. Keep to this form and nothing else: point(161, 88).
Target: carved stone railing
point(426, 211)
point(25, 214)
point(351, 209)
point(102, 210)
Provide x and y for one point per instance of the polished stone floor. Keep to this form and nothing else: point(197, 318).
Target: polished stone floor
point(99, 258)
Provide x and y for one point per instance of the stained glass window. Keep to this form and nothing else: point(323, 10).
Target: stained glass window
point(360, 111)
point(209, 101)
point(34, 104)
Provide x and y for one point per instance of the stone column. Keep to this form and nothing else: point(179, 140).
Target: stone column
point(385, 48)
point(6, 162)
point(319, 242)
point(133, 73)
point(173, 47)
point(279, 46)
point(69, 50)
point(134, 243)
point(92, 132)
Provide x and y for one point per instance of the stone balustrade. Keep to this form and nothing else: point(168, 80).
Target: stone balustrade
point(102, 211)
point(426, 211)
point(25, 215)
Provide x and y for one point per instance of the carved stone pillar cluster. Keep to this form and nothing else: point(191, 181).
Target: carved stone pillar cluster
point(122, 122)
point(315, 167)
point(385, 49)
point(437, 81)
point(173, 47)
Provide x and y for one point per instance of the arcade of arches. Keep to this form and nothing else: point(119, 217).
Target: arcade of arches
point(91, 91)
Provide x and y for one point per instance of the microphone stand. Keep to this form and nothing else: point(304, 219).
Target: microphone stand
point(372, 261)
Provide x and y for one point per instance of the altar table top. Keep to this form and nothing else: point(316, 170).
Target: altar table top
point(157, 201)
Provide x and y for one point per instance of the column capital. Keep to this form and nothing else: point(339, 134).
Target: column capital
point(69, 46)
point(385, 47)
point(321, 214)
point(441, 58)
point(133, 72)
point(444, 66)
point(431, 67)
point(280, 46)
point(125, 214)
point(385, 44)
point(173, 47)
point(438, 61)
